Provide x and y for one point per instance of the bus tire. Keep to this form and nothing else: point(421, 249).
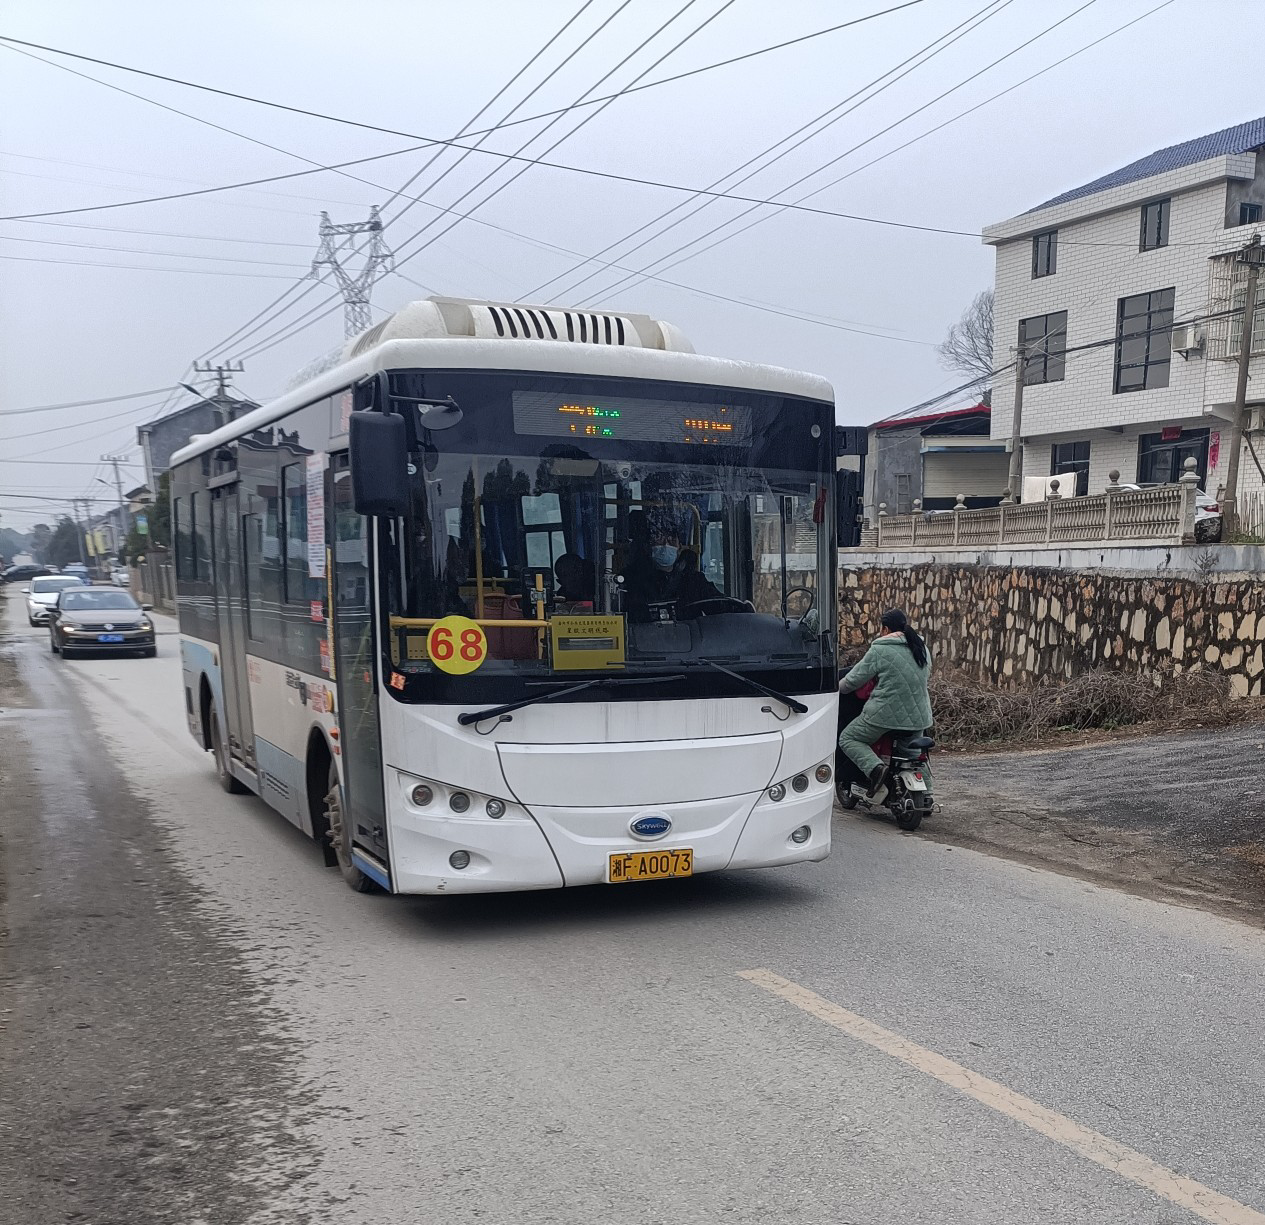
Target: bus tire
point(340, 835)
point(219, 750)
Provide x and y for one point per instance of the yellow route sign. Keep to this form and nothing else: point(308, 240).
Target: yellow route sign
point(457, 645)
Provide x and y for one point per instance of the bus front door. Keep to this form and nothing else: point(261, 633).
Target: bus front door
point(229, 559)
point(354, 665)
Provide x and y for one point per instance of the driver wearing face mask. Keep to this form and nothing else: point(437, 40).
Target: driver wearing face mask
point(667, 573)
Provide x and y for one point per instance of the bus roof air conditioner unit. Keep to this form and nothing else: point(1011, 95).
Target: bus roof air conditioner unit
point(443, 318)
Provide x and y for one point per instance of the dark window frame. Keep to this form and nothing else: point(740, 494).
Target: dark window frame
point(1045, 258)
point(1155, 333)
point(1155, 214)
point(1193, 442)
point(1050, 364)
point(1071, 459)
point(1250, 212)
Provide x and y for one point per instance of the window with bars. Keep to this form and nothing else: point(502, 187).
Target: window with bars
point(1238, 297)
point(1144, 351)
point(1154, 225)
point(1043, 339)
point(1045, 252)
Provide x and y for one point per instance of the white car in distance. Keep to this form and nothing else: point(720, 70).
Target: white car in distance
point(42, 594)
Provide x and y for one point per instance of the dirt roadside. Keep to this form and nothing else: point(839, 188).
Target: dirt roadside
point(147, 1078)
point(1179, 817)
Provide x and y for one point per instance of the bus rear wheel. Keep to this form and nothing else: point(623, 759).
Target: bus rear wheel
point(219, 750)
point(340, 835)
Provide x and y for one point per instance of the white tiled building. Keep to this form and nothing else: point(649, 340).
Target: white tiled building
point(1127, 256)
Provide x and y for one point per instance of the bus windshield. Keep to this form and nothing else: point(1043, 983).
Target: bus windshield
point(613, 547)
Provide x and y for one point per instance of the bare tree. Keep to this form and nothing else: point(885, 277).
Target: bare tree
point(968, 348)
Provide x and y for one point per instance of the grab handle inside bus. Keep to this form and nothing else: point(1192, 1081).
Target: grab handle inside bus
point(379, 464)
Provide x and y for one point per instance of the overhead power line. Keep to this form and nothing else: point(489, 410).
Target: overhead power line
point(44, 408)
point(263, 318)
point(938, 127)
point(662, 262)
point(371, 127)
point(583, 122)
point(826, 119)
point(320, 311)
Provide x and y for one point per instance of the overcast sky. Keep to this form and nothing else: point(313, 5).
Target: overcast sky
point(71, 329)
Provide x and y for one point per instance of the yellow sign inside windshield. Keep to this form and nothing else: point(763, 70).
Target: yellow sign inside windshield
point(580, 642)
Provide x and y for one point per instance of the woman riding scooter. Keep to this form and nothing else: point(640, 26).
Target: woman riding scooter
point(898, 665)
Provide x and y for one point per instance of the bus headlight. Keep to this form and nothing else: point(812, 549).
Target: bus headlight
point(823, 773)
point(777, 792)
point(421, 795)
point(800, 782)
point(459, 859)
point(801, 835)
point(495, 809)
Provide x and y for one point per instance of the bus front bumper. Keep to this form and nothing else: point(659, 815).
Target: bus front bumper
point(552, 847)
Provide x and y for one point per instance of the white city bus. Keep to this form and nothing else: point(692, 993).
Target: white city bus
point(505, 597)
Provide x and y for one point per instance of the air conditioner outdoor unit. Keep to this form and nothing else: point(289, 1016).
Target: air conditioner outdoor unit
point(1188, 338)
point(1256, 419)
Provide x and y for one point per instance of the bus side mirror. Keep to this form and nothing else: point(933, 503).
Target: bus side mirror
point(379, 464)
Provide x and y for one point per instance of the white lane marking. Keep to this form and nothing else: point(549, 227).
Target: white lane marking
point(1204, 1202)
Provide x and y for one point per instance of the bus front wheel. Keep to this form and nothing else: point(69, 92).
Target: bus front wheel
point(219, 750)
point(340, 835)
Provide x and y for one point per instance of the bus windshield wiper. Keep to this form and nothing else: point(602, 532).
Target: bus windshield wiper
point(797, 706)
point(477, 716)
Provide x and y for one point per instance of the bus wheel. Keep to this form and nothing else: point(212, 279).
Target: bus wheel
point(219, 750)
point(340, 835)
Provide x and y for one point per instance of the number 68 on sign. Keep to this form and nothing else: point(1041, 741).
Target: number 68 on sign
point(457, 645)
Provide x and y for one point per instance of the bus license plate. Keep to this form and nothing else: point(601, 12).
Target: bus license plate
point(109, 637)
point(649, 865)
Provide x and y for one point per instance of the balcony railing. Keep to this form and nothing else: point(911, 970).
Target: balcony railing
point(1163, 515)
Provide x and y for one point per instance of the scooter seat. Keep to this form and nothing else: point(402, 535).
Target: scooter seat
point(914, 743)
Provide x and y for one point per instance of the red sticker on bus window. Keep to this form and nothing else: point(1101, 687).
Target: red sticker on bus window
point(397, 680)
point(318, 612)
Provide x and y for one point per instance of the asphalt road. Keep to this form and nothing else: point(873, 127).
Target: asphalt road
point(204, 1025)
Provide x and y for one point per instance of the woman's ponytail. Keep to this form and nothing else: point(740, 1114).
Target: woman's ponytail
point(896, 621)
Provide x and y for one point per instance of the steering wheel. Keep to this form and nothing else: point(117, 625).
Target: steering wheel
point(812, 601)
point(727, 603)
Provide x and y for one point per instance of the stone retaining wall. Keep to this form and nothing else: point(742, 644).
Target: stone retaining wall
point(1017, 626)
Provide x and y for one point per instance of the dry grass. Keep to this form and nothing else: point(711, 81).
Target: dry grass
point(968, 712)
point(1252, 853)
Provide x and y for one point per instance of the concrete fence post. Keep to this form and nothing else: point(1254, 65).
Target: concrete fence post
point(1189, 482)
point(959, 505)
point(1113, 487)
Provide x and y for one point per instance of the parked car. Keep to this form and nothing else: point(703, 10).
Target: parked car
point(1207, 514)
point(42, 594)
point(79, 570)
point(100, 619)
point(120, 577)
point(24, 573)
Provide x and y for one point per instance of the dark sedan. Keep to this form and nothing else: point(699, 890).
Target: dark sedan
point(100, 619)
point(23, 573)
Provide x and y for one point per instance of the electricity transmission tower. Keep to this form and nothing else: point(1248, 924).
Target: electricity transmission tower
point(355, 289)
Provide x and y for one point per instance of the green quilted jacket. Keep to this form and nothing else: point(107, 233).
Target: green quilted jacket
point(900, 701)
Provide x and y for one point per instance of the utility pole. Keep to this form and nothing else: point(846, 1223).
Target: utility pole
point(1253, 255)
point(1015, 477)
point(74, 514)
point(223, 375)
point(114, 460)
point(355, 289)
